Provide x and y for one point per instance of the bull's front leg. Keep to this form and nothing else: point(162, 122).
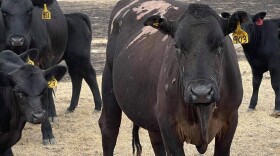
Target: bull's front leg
point(173, 144)
point(48, 137)
point(275, 77)
point(51, 106)
point(8, 152)
point(257, 79)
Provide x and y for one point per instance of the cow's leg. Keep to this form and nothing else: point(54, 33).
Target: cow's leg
point(8, 152)
point(223, 139)
point(76, 80)
point(172, 142)
point(275, 82)
point(48, 137)
point(157, 143)
point(110, 119)
point(257, 79)
point(90, 78)
point(51, 107)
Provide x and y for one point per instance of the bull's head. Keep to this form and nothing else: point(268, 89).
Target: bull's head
point(29, 85)
point(18, 16)
point(198, 37)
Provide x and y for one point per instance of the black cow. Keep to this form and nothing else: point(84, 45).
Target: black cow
point(180, 80)
point(22, 89)
point(22, 27)
point(263, 54)
point(77, 58)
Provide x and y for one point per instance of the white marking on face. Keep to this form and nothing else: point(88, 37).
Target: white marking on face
point(164, 38)
point(145, 8)
point(119, 12)
point(146, 31)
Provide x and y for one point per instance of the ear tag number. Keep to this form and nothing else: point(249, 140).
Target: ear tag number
point(240, 36)
point(156, 24)
point(52, 83)
point(29, 61)
point(46, 14)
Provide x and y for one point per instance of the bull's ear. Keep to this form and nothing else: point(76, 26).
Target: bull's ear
point(161, 23)
point(231, 22)
point(5, 80)
point(31, 53)
point(57, 71)
point(258, 18)
point(40, 3)
point(225, 15)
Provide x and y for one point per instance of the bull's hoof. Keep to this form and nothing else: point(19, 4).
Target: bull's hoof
point(49, 141)
point(97, 109)
point(53, 119)
point(69, 111)
point(276, 113)
point(250, 110)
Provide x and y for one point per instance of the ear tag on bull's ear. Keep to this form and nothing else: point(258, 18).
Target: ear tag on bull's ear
point(46, 14)
point(29, 61)
point(240, 36)
point(156, 24)
point(52, 83)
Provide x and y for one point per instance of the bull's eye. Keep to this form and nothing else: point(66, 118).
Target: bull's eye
point(4, 14)
point(20, 95)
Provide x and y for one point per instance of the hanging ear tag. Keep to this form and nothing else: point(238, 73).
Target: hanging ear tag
point(29, 61)
point(156, 24)
point(259, 22)
point(46, 14)
point(52, 83)
point(240, 36)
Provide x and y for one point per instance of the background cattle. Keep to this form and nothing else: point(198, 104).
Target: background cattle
point(180, 80)
point(263, 54)
point(22, 91)
point(22, 28)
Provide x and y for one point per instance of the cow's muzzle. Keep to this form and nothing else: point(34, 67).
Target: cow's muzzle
point(200, 94)
point(39, 117)
point(17, 41)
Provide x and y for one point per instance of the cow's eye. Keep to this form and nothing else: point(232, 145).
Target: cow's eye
point(20, 95)
point(4, 13)
point(29, 12)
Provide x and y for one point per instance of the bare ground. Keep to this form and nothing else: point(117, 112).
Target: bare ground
point(78, 134)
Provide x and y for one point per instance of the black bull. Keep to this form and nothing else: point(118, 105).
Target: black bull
point(181, 83)
point(65, 37)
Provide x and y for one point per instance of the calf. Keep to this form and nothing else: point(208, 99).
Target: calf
point(263, 54)
point(22, 88)
point(177, 78)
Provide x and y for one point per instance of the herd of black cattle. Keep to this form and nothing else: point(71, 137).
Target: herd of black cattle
point(174, 73)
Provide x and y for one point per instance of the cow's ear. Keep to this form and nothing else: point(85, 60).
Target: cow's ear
point(259, 16)
point(57, 71)
point(161, 23)
point(230, 24)
point(5, 80)
point(40, 3)
point(32, 54)
point(225, 15)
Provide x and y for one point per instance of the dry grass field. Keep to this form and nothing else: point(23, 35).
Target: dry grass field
point(78, 134)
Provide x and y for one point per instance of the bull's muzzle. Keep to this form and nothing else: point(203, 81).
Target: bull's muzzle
point(39, 116)
point(17, 41)
point(200, 94)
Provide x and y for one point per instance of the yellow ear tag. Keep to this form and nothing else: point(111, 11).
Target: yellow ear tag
point(52, 83)
point(156, 24)
point(46, 14)
point(240, 36)
point(28, 61)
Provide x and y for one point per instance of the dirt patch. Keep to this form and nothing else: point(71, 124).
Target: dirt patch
point(79, 134)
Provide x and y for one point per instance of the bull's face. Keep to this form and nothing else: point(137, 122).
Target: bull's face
point(29, 84)
point(17, 17)
point(253, 22)
point(199, 42)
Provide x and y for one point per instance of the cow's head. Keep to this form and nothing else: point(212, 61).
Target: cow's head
point(29, 84)
point(17, 17)
point(252, 23)
point(199, 42)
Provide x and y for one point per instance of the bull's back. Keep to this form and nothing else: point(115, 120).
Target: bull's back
point(135, 53)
